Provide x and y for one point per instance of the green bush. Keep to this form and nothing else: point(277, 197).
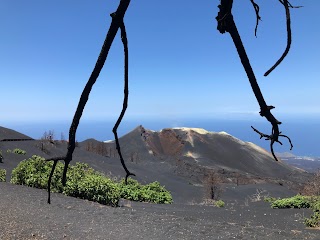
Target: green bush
point(86, 183)
point(314, 220)
point(17, 151)
point(219, 203)
point(297, 201)
point(3, 175)
point(35, 171)
point(82, 181)
point(300, 201)
point(152, 192)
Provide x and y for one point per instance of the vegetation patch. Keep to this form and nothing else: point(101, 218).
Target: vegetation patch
point(219, 203)
point(17, 151)
point(297, 201)
point(314, 220)
point(2, 175)
point(152, 192)
point(86, 183)
point(300, 201)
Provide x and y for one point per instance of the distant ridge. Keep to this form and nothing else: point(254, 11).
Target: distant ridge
point(285, 155)
point(7, 134)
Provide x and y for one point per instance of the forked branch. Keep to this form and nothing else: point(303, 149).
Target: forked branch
point(227, 24)
point(272, 141)
point(116, 23)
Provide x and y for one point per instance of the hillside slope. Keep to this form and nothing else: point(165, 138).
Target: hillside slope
point(196, 152)
point(180, 158)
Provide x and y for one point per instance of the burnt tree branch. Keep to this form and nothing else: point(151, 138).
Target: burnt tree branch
point(227, 24)
point(117, 21)
point(289, 38)
point(287, 5)
point(125, 100)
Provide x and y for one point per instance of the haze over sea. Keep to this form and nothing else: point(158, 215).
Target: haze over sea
point(304, 132)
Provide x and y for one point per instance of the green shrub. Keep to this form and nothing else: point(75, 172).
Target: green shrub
point(82, 181)
point(3, 174)
point(97, 188)
point(300, 201)
point(152, 192)
point(17, 151)
point(314, 220)
point(297, 201)
point(35, 171)
point(86, 183)
point(219, 203)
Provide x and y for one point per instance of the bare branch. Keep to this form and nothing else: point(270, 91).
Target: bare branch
point(227, 24)
point(117, 20)
point(286, 5)
point(289, 4)
point(126, 96)
point(50, 178)
point(256, 9)
point(291, 146)
point(272, 139)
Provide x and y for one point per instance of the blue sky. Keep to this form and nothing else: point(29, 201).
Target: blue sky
point(180, 65)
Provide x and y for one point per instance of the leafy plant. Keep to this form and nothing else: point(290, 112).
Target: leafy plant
point(34, 172)
point(83, 182)
point(17, 151)
point(300, 201)
point(152, 192)
point(219, 203)
point(86, 183)
point(314, 220)
point(297, 201)
point(3, 175)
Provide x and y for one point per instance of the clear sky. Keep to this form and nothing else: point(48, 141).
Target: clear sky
point(180, 65)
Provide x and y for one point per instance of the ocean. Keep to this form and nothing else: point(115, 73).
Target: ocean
point(304, 133)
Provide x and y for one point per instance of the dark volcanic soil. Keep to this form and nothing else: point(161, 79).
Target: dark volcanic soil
point(24, 214)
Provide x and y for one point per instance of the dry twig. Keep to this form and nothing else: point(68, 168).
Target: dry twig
point(256, 9)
